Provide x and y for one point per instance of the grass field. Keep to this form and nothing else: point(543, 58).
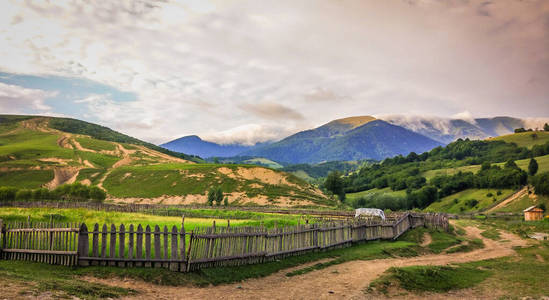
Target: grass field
point(91, 217)
point(26, 179)
point(524, 139)
point(543, 166)
point(95, 144)
point(462, 202)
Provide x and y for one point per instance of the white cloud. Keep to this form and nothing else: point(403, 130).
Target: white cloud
point(19, 100)
point(195, 65)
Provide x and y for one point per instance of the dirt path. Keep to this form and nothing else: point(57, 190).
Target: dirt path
point(510, 199)
point(346, 281)
point(426, 240)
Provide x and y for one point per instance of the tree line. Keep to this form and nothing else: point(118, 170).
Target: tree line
point(75, 192)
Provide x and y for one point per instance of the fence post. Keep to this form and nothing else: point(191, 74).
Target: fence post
point(2, 243)
point(83, 247)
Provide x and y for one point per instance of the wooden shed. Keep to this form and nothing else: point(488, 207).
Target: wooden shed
point(533, 213)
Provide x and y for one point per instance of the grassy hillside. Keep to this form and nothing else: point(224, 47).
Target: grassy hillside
point(376, 192)
point(543, 164)
point(525, 139)
point(33, 155)
point(464, 201)
point(524, 202)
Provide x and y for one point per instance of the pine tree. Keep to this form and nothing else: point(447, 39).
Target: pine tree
point(546, 127)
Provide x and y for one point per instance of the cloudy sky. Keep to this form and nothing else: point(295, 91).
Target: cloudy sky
point(254, 70)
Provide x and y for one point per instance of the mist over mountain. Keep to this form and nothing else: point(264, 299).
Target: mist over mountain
point(446, 130)
point(361, 137)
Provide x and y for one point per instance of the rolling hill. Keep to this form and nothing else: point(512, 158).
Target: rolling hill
point(345, 140)
point(35, 152)
point(525, 139)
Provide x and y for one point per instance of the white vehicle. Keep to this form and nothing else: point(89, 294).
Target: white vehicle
point(372, 212)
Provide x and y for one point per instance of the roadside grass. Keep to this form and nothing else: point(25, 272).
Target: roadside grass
point(430, 278)
point(519, 226)
point(492, 234)
point(461, 202)
point(442, 241)
point(40, 278)
point(467, 246)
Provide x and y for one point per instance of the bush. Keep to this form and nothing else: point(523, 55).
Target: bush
point(67, 192)
point(7, 193)
point(489, 195)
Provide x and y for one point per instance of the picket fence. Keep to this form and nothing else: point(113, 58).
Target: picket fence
point(216, 246)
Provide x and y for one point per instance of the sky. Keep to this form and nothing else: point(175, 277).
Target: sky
point(251, 71)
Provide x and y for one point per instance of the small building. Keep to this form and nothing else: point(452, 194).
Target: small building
point(533, 213)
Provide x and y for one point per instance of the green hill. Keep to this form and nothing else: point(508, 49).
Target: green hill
point(47, 152)
point(525, 139)
point(543, 165)
point(469, 200)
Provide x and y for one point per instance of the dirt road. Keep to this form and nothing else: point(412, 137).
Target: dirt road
point(344, 281)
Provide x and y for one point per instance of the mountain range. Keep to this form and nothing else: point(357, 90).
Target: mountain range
point(361, 137)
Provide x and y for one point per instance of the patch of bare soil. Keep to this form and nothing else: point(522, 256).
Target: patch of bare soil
point(426, 240)
point(509, 199)
point(15, 290)
point(264, 175)
point(63, 176)
point(55, 160)
point(86, 182)
point(344, 281)
point(64, 142)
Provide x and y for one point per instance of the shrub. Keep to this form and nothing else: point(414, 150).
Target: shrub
point(489, 195)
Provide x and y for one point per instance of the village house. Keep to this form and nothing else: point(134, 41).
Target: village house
point(533, 213)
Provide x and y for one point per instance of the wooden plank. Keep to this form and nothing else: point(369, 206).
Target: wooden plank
point(112, 243)
point(174, 266)
point(95, 241)
point(157, 254)
point(148, 245)
point(122, 243)
point(83, 247)
point(130, 242)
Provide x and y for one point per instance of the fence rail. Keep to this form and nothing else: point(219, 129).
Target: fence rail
point(172, 210)
point(216, 246)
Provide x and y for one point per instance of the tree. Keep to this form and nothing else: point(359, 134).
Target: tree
point(541, 183)
point(97, 194)
point(511, 164)
point(226, 201)
point(519, 130)
point(532, 167)
point(218, 196)
point(334, 184)
point(546, 127)
point(211, 196)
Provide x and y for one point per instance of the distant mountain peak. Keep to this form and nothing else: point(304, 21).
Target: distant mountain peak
point(355, 121)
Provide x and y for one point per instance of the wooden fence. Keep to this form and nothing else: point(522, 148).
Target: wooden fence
point(214, 246)
point(51, 243)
